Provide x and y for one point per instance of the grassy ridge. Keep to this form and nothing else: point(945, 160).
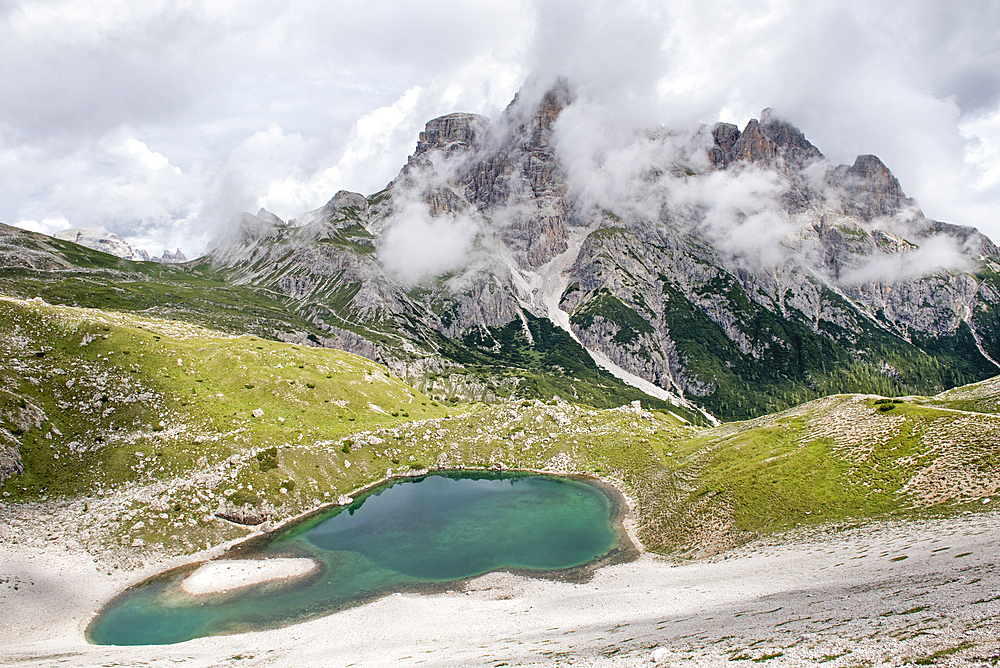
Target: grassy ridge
point(842, 458)
point(163, 413)
point(112, 385)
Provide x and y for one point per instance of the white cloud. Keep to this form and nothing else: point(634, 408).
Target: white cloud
point(47, 226)
point(417, 246)
point(256, 103)
point(934, 255)
point(982, 159)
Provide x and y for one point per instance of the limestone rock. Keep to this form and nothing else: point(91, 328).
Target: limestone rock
point(754, 146)
point(874, 191)
point(725, 136)
point(10, 457)
point(792, 145)
point(454, 132)
point(106, 242)
point(246, 514)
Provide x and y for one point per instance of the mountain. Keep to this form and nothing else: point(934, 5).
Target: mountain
point(112, 244)
point(717, 272)
point(621, 284)
point(738, 271)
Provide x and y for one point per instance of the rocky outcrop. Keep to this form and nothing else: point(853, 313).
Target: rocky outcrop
point(452, 133)
point(874, 191)
point(754, 146)
point(18, 416)
point(247, 514)
point(346, 204)
point(792, 146)
point(725, 136)
point(10, 457)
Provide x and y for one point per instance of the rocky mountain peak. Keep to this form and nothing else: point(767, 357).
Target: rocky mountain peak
point(265, 215)
point(346, 200)
point(869, 168)
point(239, 235)
point(553, 102)
point(875, 191)
point(506, 170)
point(725, 136)
point(792, 144)
point(754, 146)
point(168, 257)
point(454, 132)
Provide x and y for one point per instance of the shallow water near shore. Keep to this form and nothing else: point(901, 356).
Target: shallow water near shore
point(417, 534)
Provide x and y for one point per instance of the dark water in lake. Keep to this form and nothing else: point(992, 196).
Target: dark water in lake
point(406, 535)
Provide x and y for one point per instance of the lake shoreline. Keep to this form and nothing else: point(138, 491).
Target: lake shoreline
point(271, 559)
point(624, 509)
point(803, 596)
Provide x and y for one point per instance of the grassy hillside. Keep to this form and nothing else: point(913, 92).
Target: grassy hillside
point(841, 458)
point(61, 272)
point(499, 364)
point(160, 424)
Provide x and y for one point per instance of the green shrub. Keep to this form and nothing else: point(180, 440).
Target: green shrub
point(242, 498)
point(267, 459)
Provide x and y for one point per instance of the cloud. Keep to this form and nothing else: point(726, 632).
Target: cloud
point(417, 246)
point(115, 182)
point(204, 84)
point(934, 255)
point(640, 175)
point(636, 174)
point(983, 149)
point(47, 226)
point(416, 243)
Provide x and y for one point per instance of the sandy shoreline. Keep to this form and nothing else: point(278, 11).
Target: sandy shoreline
point(884, 593)
point(222, 575)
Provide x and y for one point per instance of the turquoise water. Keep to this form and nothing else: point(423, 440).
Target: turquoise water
point(411, 535)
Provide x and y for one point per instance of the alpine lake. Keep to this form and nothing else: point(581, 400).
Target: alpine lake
point(416, 534)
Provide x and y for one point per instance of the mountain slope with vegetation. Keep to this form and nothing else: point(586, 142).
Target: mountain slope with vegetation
point(736, 272)
point(178, 435)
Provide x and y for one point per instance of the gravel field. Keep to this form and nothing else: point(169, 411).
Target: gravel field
point(890, 593)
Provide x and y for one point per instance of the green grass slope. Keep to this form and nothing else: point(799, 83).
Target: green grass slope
point(841, 458)
point(94, 400)
point(500, 364)
point(160, 425)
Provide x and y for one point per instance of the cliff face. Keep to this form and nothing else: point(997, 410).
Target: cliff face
point(825, 279)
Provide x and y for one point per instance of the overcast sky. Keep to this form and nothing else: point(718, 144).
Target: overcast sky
point(160, 120)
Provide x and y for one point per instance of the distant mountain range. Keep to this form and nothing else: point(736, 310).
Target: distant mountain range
point(112, 244)
point(719, 273)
